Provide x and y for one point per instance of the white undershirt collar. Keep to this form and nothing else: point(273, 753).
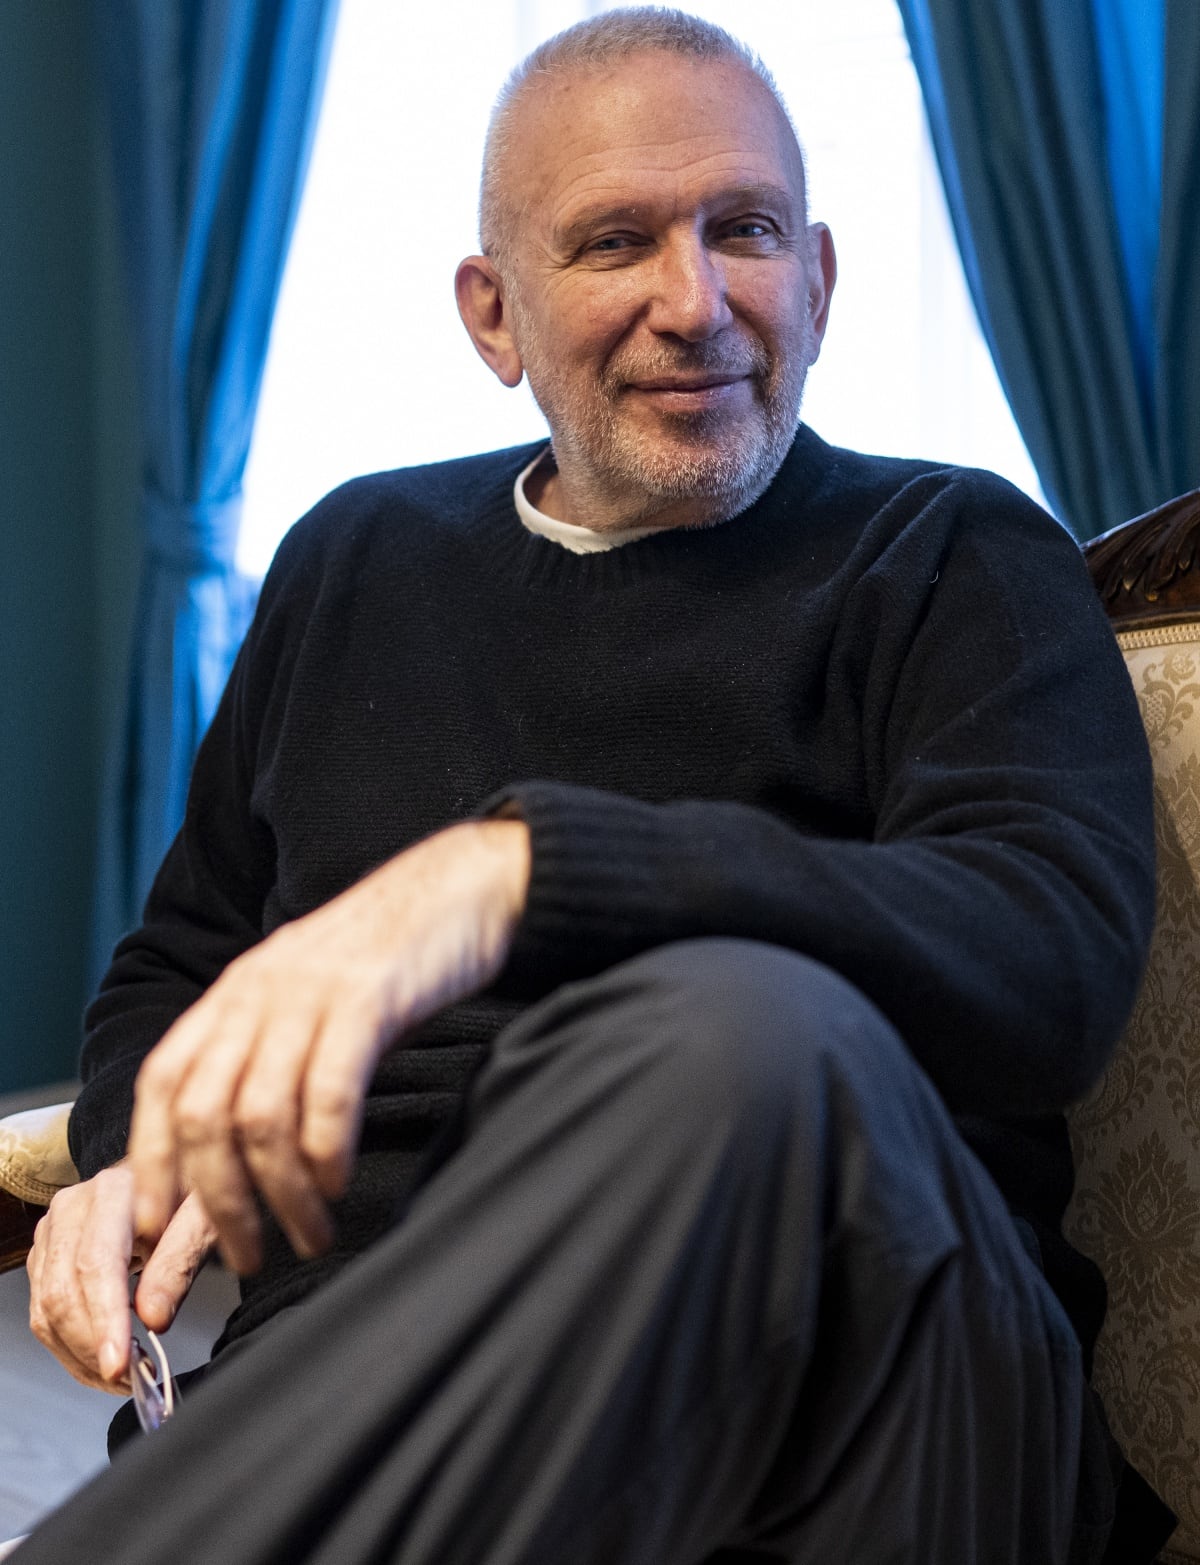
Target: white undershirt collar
point(579, 540)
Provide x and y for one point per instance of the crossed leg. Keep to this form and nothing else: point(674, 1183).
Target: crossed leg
point(711, 1274)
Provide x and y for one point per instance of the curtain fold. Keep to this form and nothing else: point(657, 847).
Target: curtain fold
point(211, 107)
point(1074, 209)
point(1177, 300)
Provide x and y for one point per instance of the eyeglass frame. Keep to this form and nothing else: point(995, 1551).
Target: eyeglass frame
point(153, 1398)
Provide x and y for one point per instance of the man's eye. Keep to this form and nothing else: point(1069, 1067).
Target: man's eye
point(609, 243)
point(748, 228)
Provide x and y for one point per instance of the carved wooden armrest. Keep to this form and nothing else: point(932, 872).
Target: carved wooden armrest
point(35, 1163)
point(1147, 571)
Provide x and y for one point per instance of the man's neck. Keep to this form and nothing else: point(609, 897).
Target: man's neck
point(602, 511)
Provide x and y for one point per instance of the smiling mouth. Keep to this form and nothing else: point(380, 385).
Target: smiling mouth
point(709, 395)
point(686, 386)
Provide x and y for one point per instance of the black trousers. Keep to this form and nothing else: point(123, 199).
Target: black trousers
point(710, 1276)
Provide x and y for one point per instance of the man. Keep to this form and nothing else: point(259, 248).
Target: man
point(585, 1142)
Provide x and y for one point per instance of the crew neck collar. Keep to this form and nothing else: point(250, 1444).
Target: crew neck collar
point(579, 540)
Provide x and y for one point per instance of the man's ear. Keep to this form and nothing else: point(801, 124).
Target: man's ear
point(822, 275)
point(479, 289)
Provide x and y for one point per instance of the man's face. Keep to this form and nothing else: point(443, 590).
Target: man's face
point(662, 292)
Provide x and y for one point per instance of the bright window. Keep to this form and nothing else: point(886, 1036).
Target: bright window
point(369, 365)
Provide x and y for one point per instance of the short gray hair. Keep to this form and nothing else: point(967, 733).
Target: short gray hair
point(599, 41)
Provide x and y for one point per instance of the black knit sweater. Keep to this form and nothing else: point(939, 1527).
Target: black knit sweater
point(878, 718)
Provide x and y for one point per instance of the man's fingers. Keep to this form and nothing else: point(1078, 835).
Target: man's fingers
point(235, 1118)
point(259, 1088)
point(171, 1269)
point(102, 1268)
point(217, 1173)
point(78, 1277)
point(151, 1147)
point(266, 1119)
point(334, 1090)
point(83, 1370)
point(183, 1132)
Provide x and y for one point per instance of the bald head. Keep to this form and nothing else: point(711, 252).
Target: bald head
point(598, 46)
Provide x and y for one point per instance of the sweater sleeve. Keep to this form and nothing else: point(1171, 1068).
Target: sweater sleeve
point(998, 912)
point(204, 908)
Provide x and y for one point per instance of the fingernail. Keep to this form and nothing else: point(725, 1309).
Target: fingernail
point(110, 1359)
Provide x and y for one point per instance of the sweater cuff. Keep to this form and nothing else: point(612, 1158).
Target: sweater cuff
point(98, 1130)
point(600, 890)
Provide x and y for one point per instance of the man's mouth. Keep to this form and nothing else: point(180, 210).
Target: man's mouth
point(685, 382)
point(691, 393)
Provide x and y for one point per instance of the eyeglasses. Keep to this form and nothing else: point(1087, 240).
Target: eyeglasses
point(153, 1399)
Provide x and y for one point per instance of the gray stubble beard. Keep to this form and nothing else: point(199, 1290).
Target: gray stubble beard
point(593, 440)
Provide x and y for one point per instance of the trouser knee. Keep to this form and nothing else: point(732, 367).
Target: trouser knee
point(733, 1039)
point(745, 1029)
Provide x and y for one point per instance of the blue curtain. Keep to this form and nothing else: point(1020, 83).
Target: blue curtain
point(1068, 136)
point(211, 107)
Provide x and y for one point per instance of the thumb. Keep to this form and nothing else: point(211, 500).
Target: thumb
point(172, 1266)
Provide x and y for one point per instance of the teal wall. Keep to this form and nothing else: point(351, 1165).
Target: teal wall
point(67, 470)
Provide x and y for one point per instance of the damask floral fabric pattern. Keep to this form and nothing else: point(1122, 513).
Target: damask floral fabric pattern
point(1136, 1208)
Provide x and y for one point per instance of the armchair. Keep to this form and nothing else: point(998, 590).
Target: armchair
point(1136, 1207)
point(1136, 1137)
point(35, 1163)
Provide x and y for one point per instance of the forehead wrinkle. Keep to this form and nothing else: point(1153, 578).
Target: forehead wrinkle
point(721, 167)
point(533, 183)
point(670, 154)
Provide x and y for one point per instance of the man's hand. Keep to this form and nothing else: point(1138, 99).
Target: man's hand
point(260, 1085)
point(79, 1275)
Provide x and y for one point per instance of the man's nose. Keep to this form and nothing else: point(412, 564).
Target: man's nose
point(690, 297)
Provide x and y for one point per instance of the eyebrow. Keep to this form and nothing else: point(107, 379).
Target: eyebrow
point(756, 194)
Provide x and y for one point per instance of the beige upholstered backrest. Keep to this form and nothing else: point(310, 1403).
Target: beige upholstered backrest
point(1136, 1208)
